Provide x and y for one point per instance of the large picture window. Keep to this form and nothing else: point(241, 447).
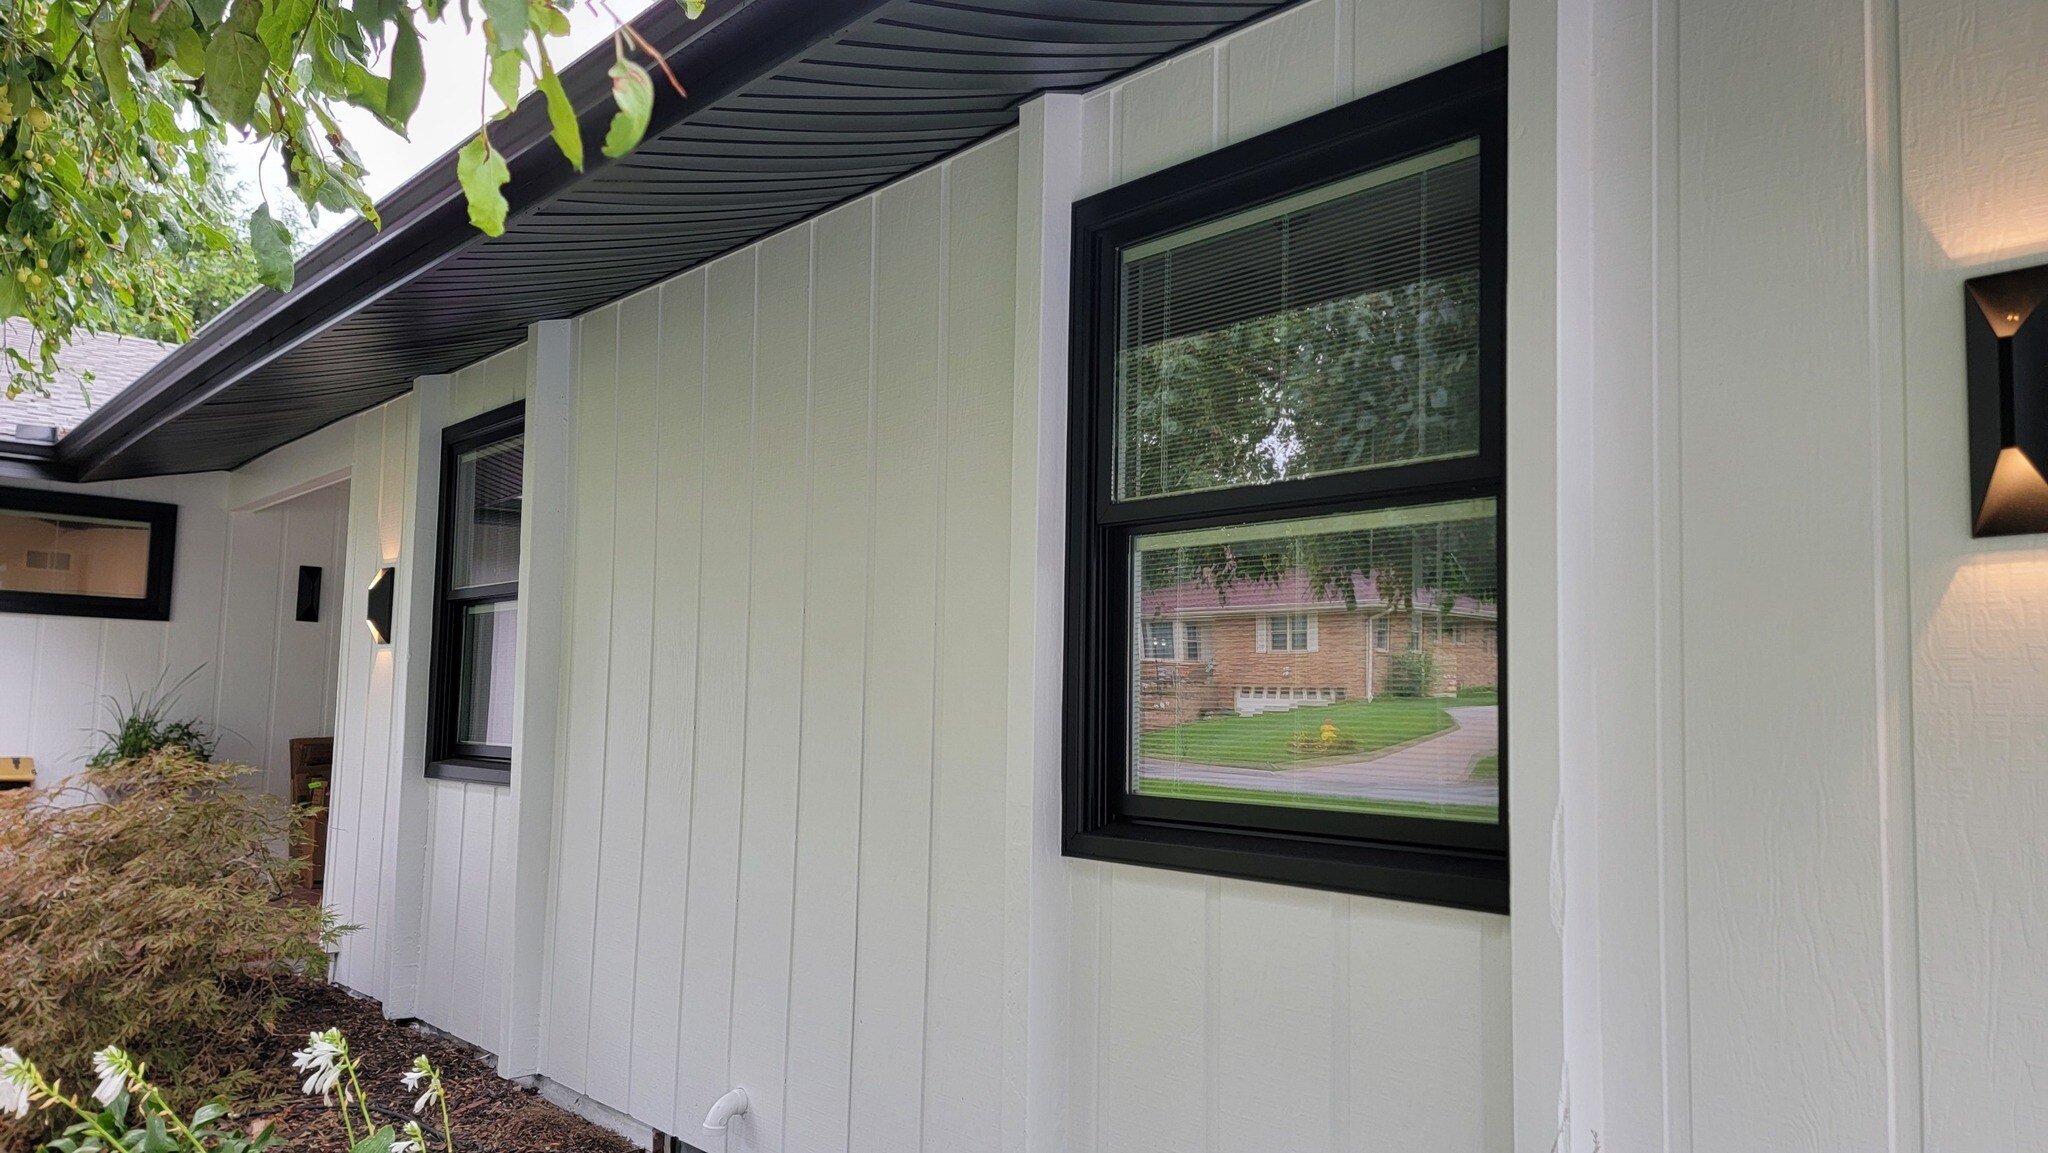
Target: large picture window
point(70, 554)
point(1285, 603)
point(476, 625)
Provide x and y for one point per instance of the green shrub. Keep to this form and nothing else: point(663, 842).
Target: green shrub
point(144, 725)
point(145, 908)
point(1409, 674)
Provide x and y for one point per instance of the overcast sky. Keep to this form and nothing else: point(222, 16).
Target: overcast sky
point(448, 112)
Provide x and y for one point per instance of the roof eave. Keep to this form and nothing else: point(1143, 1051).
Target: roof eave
point(426, 219)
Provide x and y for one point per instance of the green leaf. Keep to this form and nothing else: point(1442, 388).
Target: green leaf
point(505, 76)
point(506, 20)
point(158, 1139)
point(209, 1113)
point(235, 63)
point(271, 241)
point(188, 51)
point(482, 171)
point(408, 74)
point(378, 1142)
point(633, 92)
point(108, 38)
point(281, 23)
point(63, 28)
point(693, 8)
point(561, 115)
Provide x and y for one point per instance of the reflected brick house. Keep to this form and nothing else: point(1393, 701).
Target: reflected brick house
point(1253, 646)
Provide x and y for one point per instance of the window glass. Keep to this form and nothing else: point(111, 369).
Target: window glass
point(75, 555)
point(1193, 645)
point(1333, 331)
point(485, 677)
point(1345, 725)
point(485, 534)
point(1159, 640)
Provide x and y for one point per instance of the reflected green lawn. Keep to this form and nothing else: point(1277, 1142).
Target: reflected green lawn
point(1274, 740)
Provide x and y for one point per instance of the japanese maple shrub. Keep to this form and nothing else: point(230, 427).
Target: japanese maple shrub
point(142, 905)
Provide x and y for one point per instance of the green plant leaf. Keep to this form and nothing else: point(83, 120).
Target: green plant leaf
point(562, 123)
point(108, 37)
point(505, 76)
point(209, 1113)
point(235, 63)
point(281, 23)
point(378, 1142)
point(272, 243)
point(63, 28)
point(506, 20)
point(408, 74)
point(633, 92)
point(693, 8)
point(482, 171)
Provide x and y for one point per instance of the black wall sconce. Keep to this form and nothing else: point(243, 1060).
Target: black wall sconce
point(379, 615)
point(308, 607)
point(2005, 337)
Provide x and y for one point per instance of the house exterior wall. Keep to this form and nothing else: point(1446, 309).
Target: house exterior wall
point(424, 867)
point(1798, 863)
point(1776, 855)
point(257, 675)
point(1215, 1014)
point(780, 856)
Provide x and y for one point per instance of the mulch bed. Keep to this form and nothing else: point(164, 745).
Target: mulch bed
point(489, 1113)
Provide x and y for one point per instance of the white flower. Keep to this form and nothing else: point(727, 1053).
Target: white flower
point(405, 1145)
point(112, 1066)
point(414, 1141)
point(320, 1060)
point(422, 1070)
point(14, 1083)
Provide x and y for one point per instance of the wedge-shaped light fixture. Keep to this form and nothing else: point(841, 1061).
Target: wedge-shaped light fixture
point(379, 616)
point(2005, 335)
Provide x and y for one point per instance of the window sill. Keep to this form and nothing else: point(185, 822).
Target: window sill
point(1431, 876)
point(474, 770)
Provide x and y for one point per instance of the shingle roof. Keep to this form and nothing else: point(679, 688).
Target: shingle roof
point(112, 362)
point(1292, 590)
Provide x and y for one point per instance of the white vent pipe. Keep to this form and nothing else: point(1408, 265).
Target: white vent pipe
point(725, 1109)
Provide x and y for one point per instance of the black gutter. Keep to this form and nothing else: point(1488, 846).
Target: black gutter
point(426, 220)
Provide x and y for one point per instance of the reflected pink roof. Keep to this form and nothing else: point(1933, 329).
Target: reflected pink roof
point(1290, 590)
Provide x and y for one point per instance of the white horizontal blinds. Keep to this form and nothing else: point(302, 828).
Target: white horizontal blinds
point(486, 529)
point(1293, 703)
point(1331, 331)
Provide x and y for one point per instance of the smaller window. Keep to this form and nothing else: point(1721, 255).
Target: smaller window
point(1290, 633)
point(1159, 640)
point(69, 554)
point(476, 625)
point(1380, 632)
point(1193, 646)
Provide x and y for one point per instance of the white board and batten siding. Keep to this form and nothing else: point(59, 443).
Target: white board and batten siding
point(249, 668)
point(780, 860)
point(461, 941)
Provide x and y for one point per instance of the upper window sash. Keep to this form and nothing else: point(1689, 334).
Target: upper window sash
point(1270, 177)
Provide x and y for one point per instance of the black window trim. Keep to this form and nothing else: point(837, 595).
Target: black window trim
point(162, 519)
point(1444, 862)
point(447, 758)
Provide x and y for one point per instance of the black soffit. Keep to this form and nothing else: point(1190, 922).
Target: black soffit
point(795, 106)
